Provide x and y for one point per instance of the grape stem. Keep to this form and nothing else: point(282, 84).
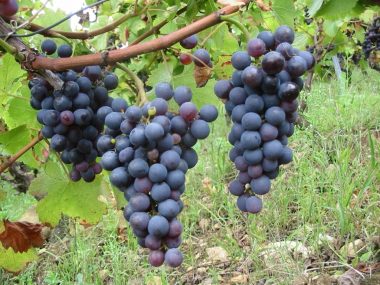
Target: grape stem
point(113, 56)
point(31, 19)
point(240, 26)
point(20, 153)
point(141, 95)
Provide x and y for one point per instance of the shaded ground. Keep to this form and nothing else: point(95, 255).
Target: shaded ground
point(320, 220)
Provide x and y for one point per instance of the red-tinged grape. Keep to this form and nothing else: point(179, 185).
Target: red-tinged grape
point(185, 59)
point(188, 111)
point(8, 8)
point(156, 258)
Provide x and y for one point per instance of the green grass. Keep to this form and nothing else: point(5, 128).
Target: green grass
point(331, 188)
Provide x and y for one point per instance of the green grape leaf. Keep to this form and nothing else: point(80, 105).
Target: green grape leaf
point(315, 6)
point(64, 197)
point(13, 204)
point(14, 139)
point(15, 262)
point(331, 28)
point(163, 73)
point(49, 17)
point(336, 8)
point(284, 11)
point(100, 42)
point(119, 197)
point(20, 112)
point(221, 42)
point(10, 71)
point(301, 40)
point(223, 68)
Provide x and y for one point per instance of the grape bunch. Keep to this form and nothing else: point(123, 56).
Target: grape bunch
point(148, 151)
point(69, 116)
point(261, 100)
point(372, 38)
point(8, 8)
point(200, 57)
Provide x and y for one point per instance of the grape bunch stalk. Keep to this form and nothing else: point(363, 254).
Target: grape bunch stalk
point(69, 116)
point(261, 99)
point(148, 150)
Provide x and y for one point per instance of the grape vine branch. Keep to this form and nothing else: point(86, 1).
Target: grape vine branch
point(104, 58)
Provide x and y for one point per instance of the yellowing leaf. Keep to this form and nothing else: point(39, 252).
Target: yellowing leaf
point(15, 262)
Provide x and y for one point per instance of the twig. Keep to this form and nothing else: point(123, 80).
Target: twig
point(60, 64)
point(86, 34)
point(20, 153)
point(157, 27)
point(339, 265)
point(212, 33)
point(55, 24)
point(31, 19)
point(141, 95)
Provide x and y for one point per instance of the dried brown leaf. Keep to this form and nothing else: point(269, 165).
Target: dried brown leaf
point(202, 74)
point(21, 236)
